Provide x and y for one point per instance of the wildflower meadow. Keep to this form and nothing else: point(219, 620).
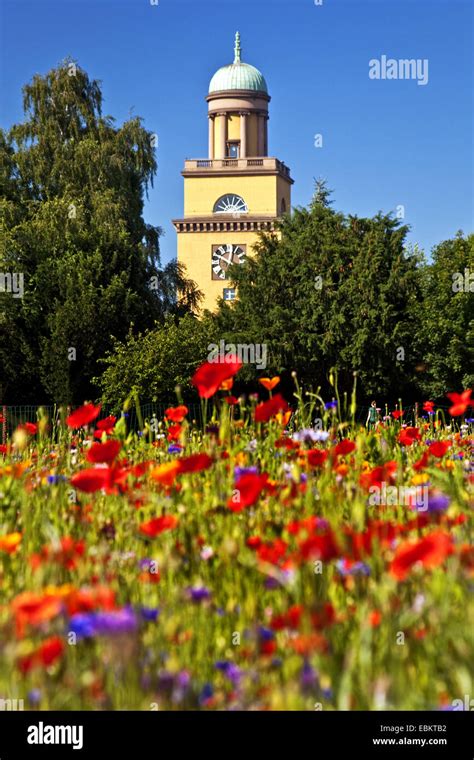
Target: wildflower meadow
point(275, 555)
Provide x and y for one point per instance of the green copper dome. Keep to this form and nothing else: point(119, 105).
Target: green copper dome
point(238, 75)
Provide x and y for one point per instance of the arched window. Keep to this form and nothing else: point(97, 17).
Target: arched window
point(283, 206)
point(230, 204)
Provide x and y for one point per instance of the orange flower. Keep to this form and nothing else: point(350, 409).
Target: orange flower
point(31, 608)
point(283, 418)
point(10, 542)
point(165, 474)
point(227, 384)
point(268, 383)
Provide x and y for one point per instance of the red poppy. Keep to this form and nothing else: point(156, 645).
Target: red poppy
point(460, 402)
point(323, 547)
point(409, 435)
point(431, 551)
point(254, 542)
point(141, 468)
point(105, 426)
point(247, 491)
point(195, 463)
point(50, 650)
point(267, 409)
point(30, 428)
point(344, 447)
point(428, 406)
point(289, 619)
point(316, 457)
point(375, 618)
point(439, 448)
point(104, 452)
point(272, 551)
point(91, 480)
point(397, 414)
point(174, 432)
point(421, 463)
point(158, 525)
point(231, 400)
point(83, 416)
point(209, 376)
point(384, 473)
point(176, 413)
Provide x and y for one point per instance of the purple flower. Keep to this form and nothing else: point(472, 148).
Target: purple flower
point(88, 624)
point(438, 502)
point(240, 471)
point(198, 593)
point(309, 677)
point(174, 449)
point(230, 670)
point(55, 479)
point(266, 634)
point(34, 697)
point(206, 693)
point(271, 583)
point(330, 405)
point(150, 613)
point(358, 568)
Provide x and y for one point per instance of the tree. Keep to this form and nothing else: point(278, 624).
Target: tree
point(332, 291)
point(73, 187)
point(446, 336)
point(153, 364)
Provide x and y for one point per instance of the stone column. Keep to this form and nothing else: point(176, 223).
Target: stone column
point(211, 137)
point(265, 135)
point(261, 135)
point(223, 134)
point(243, 134)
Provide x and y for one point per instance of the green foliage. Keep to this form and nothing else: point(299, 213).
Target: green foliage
point(334, 292)
point(72, 223)
point(152, 365)
point(446, 337)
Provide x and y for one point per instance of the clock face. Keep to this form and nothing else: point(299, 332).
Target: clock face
point(222, 258)
point(230, 204)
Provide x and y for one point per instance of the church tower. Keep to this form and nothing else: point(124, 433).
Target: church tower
point(238, 190)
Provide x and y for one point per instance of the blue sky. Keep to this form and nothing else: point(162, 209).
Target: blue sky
point(386, 143)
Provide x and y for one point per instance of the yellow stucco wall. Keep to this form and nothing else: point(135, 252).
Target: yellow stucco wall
point(195, 252)
point(283, 191)
point(233, 127)
point(259, 192)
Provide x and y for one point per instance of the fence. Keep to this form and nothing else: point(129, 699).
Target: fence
point(12, 416)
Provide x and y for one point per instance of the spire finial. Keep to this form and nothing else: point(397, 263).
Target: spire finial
point(237, 49)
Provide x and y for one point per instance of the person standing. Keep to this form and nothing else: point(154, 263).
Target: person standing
point(372, 416)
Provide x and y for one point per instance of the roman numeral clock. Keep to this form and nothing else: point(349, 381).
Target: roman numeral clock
point(238, 191)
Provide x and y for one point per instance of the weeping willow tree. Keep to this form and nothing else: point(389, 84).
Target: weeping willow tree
point(73, 185)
